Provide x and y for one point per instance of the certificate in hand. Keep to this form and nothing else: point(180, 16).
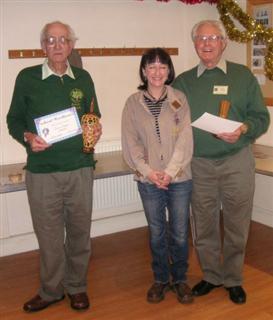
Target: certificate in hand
point(58, 126)
point(214, 124)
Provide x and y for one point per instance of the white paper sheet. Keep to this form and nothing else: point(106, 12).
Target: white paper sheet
point(214, 124)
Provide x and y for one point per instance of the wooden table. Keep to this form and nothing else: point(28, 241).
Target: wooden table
point(111, 164)
point(263, 159)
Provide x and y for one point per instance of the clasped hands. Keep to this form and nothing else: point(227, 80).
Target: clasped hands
point(160, 178)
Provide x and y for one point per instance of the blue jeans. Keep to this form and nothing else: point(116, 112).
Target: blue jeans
point(168, 237)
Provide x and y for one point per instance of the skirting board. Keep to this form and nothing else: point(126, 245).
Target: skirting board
point(28, 242)
point(262, 216)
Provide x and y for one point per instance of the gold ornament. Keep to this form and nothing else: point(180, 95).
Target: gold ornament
point(254, 30)
point(224, 109)
point(89, 123)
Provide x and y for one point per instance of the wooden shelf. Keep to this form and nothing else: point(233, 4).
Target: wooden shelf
point(87, 52)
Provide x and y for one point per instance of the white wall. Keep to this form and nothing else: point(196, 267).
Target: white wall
point(97, 23)
point(100, 23)
point(267, 139)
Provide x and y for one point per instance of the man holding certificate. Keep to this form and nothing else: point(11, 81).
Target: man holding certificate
point(223, 166)
point(48, 103)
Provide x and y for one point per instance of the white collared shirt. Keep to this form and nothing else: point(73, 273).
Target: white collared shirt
point(46, 71)
point(222, 64)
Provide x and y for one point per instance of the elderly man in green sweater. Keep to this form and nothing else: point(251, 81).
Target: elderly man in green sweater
point(59, 176)
point(223, 166)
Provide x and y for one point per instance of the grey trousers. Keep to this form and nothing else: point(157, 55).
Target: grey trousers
point(61, 207)
point(228, 183)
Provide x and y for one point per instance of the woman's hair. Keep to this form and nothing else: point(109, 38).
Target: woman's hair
point(71, 34)
point(151, 56)
point(215, 23)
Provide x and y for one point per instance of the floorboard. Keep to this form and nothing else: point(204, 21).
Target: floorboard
point(119, 276)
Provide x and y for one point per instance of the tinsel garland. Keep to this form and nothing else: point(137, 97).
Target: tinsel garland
point(190, 1)
point(253, 30)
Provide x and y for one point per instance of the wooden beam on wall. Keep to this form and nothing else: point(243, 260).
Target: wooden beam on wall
point(87, 52)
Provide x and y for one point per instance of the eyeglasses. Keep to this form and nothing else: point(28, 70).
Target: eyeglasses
point(52, 41)
point(211, 39)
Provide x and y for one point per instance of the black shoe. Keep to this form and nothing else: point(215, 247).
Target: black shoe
point(203, 287)
point(157, 292)
point(183, 292)
point(237, 294)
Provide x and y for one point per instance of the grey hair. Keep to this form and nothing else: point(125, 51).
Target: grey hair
point(215, 23)
point(71, 34)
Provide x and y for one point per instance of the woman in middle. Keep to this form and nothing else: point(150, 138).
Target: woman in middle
point(157, 144)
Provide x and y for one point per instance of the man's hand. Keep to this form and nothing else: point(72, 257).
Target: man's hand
point(230, 137)
point(97, 132)
point(36, 143)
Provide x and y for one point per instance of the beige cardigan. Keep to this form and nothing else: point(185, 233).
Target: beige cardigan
point(140, 145)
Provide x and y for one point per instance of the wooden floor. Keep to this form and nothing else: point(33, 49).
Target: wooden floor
point(120, 276)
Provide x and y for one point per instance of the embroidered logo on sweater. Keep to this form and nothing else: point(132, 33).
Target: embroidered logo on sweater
point(76, 96)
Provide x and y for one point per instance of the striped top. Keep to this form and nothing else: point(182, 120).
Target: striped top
point(155, 107)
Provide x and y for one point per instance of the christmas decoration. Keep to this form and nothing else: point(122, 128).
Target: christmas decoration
point(190, 1)
point(254, 30)
point(89, 122)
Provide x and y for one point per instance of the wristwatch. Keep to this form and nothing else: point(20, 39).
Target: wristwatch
point(26, 134)
point(244, 128)
point(25, 137)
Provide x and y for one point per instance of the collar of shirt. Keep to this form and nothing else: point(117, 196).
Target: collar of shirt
point(202, 68)
point(46, 71)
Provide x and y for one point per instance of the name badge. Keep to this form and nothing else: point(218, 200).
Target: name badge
point(220, 90)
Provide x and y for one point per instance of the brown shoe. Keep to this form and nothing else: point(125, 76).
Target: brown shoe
point(183, 292)
point(37, 303)
point(79, 301)
point(157, 292)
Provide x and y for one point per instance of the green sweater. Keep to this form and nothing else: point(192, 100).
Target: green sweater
point(247, 105)
point(33, 98)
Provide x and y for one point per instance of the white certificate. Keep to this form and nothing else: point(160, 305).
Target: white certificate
point(58, 126)
point(214, 124)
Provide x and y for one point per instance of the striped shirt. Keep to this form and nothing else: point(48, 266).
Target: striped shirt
point(155, 107)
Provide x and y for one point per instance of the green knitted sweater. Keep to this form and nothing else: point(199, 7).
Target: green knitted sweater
point(247, 105)
point(33, 98)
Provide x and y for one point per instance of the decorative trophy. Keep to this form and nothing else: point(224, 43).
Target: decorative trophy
point(89, 123)
point(223, 111)
point(224, 108)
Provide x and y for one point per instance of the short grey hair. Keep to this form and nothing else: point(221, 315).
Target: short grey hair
point(215, 23)
point(44, 32)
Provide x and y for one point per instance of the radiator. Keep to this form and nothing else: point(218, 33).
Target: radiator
point(116, 207)
point(117, 195)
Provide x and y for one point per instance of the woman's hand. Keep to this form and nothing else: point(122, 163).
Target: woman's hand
point(155, 177)
point(160, 179)
point(165, 181)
